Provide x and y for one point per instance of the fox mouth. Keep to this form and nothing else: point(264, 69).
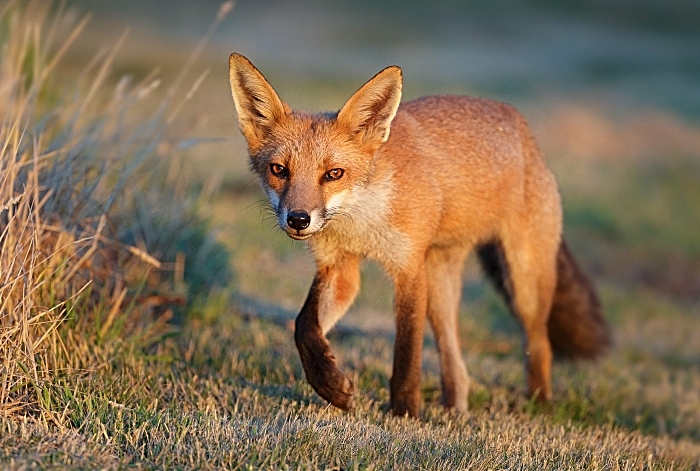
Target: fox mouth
point(302, 234)
point(299, 236)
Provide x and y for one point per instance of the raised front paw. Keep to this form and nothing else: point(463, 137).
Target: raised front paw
point(321, 371)
point(336, 388)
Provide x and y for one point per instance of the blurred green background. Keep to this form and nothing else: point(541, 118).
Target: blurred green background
point(630, 53)
point(611, 88)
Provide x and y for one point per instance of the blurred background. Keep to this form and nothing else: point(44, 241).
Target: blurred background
point(611, 88)
point(620, 57)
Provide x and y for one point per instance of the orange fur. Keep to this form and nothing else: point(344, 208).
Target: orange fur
point(415, 187)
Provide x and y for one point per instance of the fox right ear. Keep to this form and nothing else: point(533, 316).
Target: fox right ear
point(258, 106)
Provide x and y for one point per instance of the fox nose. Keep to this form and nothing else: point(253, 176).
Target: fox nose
point(298, 220)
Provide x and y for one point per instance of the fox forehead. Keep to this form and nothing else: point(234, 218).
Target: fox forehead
point(309, 141)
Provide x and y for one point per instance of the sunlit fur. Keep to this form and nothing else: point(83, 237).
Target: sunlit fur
point(424, 184)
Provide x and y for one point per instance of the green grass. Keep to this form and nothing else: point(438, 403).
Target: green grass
point(230, 393)
point(101, 379)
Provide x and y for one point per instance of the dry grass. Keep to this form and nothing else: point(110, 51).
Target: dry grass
point(80, 245)
point(230, 394)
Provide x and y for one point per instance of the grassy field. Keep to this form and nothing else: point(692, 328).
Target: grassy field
point(147, 308)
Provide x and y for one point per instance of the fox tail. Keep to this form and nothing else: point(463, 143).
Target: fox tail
point(576, 326)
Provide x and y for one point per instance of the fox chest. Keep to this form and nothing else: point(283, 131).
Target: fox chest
point(368, 236)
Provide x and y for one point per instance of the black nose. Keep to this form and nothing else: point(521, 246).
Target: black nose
point(298, 220)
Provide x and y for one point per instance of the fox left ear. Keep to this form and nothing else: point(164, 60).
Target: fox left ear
point(369, 112)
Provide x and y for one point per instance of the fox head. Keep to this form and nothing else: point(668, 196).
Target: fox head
point(309, 164)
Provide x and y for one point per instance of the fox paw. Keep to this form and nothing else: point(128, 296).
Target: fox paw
point(341, 393)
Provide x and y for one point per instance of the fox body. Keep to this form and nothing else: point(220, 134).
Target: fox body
point(417, 187)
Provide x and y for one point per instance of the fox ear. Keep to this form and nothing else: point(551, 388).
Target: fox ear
point(258, 106)
point(369, 112)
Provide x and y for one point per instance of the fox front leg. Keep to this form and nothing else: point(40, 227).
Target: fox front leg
point(333, 290)
point(410, 305)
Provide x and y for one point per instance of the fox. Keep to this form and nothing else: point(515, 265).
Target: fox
point(417, 187)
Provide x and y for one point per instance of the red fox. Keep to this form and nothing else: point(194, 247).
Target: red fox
point(416, 187)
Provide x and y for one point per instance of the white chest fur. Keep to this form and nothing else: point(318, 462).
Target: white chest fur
point(361, 223)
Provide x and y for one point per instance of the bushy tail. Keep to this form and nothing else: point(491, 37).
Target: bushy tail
point(576, 325)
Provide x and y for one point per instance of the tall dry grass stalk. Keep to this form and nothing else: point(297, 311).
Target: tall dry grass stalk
point(77, 196)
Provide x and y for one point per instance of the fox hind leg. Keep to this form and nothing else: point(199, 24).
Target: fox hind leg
point(444, 280)
point(531, 266)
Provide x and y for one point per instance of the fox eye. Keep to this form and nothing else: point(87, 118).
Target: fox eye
point(279, 170)
point(333, 174)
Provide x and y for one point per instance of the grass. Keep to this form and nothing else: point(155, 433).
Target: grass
point(88, 271)
point(204, 400)
point(126, 341)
